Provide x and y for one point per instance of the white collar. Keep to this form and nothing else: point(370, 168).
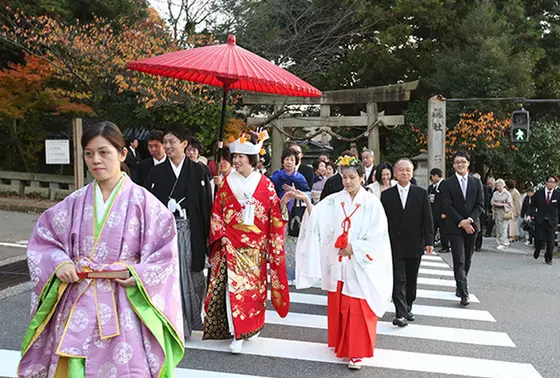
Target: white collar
point(177, 169)
point(405, 188)
point(243, 187)
point(459, 177)
point(156, 161)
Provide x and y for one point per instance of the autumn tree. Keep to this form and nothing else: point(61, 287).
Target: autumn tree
point(27, 94)
point(89, 61)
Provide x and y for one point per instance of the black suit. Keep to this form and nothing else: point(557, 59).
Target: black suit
point(142, 171)
point(132, 161)
point(457, 208)
point(410, 229)
point(546, 220)
point(308, 173)
point(436, 199)
point(333, 185)
point(371, 178)
point(193, 184)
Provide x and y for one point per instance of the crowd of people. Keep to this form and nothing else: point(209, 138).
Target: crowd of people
point(119, 266)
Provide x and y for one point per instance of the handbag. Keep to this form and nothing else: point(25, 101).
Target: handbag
point(296, 216)
point(508, 215)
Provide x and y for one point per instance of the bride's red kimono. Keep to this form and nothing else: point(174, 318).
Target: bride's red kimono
point(239, 256)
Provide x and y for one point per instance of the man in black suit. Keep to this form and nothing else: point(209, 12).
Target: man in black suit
point(155, 147)
point(434, 194)
point(368, 158)
point(334, 183)
point(305, 170)
point(546, 205)
point(133, 157)
point(463, 202)
point(411, 230)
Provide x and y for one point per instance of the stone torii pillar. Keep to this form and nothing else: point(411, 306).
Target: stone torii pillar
point(436, 133)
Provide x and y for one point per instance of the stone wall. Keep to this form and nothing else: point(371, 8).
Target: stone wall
point(25, 184)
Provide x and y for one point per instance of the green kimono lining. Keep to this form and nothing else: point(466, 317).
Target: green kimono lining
point(160, 327)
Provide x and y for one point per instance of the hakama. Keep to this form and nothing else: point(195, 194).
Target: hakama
point(360, 285)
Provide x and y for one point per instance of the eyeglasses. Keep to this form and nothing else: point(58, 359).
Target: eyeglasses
point(460, 162)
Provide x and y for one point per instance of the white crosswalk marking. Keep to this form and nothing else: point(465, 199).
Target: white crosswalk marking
point(432, 306)
point(433, 264)
point(435, 272)
point(391, 359)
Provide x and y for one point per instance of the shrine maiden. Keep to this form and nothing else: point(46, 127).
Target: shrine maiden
point(344, 241)
point(104, 327)
point(246, 232)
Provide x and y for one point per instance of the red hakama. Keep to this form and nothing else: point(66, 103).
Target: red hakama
point(352, 325)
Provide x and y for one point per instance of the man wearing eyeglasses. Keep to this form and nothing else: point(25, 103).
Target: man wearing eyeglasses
point(463, 202)
point(546, 202)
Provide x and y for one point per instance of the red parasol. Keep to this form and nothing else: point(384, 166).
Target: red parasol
point(228, 66)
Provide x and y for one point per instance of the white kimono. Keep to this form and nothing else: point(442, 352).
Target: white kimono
point(368, 273)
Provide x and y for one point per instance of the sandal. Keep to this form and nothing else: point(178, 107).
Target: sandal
point(355, 364)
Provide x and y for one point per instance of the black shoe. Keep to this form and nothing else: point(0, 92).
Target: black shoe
point(446, 250)
point(465, 302)
point(549, 262)
point(457, 293)
point(401, 322)
point(410, 317)
point(536, 254)
point(477, 249)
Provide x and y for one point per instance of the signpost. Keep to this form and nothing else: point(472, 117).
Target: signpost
point(57, 151)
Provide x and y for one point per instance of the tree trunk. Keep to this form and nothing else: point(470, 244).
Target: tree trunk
point(19, 146)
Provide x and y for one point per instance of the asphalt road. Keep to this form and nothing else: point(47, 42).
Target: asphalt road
point(514, 330)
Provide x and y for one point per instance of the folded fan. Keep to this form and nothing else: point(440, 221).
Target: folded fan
point(109, 274)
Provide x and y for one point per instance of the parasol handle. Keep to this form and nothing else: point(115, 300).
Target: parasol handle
point(222, 124)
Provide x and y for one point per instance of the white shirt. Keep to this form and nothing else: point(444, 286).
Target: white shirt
point(177, 169)
point(546, 191)
point(156, 161)
point(368, 172)
point(133, 150)
point(403, 193)
point(461, 178)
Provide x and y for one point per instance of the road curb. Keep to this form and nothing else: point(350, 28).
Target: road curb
point(24, 208)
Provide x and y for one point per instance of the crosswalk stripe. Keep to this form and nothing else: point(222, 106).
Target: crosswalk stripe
point(437, 311)
point(9, 360)
point(321, 300)
point(384, 358)
point(444, 295)
point(455, 335)
point(436, 282)
point(431, 258)
point(450, 312)
point(15, 245)
point(434, 264)
point(436, 272)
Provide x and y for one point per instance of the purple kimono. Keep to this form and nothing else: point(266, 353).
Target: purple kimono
point(118, 332)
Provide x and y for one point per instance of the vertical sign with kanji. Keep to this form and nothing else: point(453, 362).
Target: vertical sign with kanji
point(436, 133)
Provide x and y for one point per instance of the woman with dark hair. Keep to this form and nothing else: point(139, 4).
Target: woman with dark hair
point(344, 242)
point(246, 233)
point(319, 167)
point(383, 179)
point(289, 178)
point(103, 263)
point(224, 169)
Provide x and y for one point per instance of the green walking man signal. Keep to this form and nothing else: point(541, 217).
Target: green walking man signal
point(520, 123)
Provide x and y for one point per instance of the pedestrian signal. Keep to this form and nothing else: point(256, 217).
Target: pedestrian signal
point(520, 122)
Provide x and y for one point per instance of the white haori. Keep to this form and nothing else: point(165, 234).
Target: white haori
point(368, 274)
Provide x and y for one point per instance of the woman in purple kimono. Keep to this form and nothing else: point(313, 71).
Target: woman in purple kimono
point(87, 322)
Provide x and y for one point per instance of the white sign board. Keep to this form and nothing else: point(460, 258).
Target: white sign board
point(57, 151)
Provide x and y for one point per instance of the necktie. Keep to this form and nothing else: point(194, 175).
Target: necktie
point(547, 197)
point(464, 186)
point(403, 199)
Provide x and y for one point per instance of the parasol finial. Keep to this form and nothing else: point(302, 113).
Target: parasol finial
point(231, 40)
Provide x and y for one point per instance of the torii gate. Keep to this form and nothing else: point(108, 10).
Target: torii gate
point(369, 96)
